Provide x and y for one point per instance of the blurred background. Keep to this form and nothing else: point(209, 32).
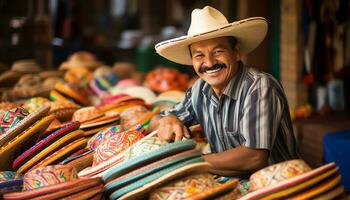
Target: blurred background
point(307, 47)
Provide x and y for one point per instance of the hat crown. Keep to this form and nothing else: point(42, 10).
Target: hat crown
point(206, 19)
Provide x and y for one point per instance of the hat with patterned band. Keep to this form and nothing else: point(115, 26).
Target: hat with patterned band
point(208, 23)
point(288, 184)
point(53, 182)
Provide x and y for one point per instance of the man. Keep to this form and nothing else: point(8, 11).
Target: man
point(244, 113)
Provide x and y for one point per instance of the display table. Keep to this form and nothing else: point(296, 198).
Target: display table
point(310, 133)
point(336, 148)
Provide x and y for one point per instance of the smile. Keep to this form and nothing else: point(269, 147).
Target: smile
point(211, 71)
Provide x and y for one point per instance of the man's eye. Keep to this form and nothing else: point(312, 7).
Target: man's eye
point(198, 55)
point(218, 51)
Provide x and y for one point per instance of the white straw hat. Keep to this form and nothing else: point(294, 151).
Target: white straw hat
point(210, 23)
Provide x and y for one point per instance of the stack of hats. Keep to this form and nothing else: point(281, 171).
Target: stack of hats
point(70, 92)
point(294, 179)
point(23, 134)
point(150, 162)
point(79, 75)
point(57, 182)
point(52, 149)
point(94, 120)
point(26, 80)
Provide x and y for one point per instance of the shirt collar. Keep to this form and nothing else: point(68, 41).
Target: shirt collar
point(231, 89)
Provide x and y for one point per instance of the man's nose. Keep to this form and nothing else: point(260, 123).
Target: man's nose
point(209, 61)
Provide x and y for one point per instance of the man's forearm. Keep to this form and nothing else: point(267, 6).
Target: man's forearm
point(238, 161)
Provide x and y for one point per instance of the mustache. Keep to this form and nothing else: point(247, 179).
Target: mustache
point(215, 66)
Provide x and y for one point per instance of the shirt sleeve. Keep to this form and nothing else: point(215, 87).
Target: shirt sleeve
point(262, 111)
point(183, 110)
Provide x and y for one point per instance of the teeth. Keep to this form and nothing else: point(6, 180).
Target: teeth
point(212, 71)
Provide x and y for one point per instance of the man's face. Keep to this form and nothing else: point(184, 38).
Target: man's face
point(215, 61)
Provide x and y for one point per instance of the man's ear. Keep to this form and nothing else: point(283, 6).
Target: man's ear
point(238, 53)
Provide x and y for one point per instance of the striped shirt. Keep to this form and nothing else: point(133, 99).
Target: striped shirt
point(252, 112)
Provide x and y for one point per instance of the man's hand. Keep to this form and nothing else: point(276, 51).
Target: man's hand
point(170, 128)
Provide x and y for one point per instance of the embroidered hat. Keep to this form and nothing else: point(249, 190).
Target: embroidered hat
point(53, 182)
point(292, 185)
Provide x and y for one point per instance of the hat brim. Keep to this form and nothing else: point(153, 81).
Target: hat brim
point(249, 33)
point(295, 184)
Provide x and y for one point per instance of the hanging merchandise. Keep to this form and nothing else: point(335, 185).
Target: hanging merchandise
point(336, 94)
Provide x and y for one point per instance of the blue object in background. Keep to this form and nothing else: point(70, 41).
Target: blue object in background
point(336, 148)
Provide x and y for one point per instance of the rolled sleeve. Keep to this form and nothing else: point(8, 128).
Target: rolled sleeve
point(183, 110)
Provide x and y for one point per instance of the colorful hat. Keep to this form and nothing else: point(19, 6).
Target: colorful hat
point(60, 143)
point(185, 187)
point(141, 92)
point(145, 167)
point(73, 92)
point(24, 157)
point(276, 173)
point(63, 110)
point(104, 78)
point(79, 74)
point(131, 116)
point(164, 79)
point(128, 82)
point(103, 166)
point(139, 189)
point(166, 100)
point(24, 124)
point(124, 69)
point(86, 114)
point(10, 182)
point(138, 167)
point(55, 125)
point(293, 185)
point(115, 145)
point(10, 118)
point(331, 194)
point(46, 176)
point(62, 153)
point(105, 134)
point(80, 162)
point(35, 103)
point(9, 151)
point(227, 190)
point(81, 58)
point(175, 96)
point(322, 187)
point(53, 182)
point(91, 129)
point(5, 106)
